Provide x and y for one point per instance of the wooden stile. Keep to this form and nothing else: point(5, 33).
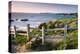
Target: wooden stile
point(28, 32)
point(14, 31)
point(43, 35)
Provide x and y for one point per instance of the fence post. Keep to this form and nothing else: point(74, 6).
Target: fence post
point(14, 31)
point(42, 35)
point(28, 31)
point(65, 35)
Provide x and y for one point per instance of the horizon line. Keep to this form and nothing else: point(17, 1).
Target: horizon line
point(40, 12)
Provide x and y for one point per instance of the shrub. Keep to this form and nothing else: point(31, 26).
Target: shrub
point(72, 40)
point(19, 40)
point(60, 46)
point(37, 46)
point(36, 32)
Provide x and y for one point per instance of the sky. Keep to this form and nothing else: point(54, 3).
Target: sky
point(29, 7)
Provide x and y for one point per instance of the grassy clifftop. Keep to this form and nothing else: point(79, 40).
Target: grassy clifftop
point(72, 22)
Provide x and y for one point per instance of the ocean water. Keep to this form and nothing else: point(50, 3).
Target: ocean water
point(34, 19)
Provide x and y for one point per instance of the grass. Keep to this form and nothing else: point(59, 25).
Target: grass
point(19, 40)
point(71, 40)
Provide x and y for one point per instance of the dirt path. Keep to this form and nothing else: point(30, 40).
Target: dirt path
point(22, 48)
point(19, 49)
point(54, 39)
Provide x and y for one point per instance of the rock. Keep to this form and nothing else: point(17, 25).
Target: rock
point(24, 19)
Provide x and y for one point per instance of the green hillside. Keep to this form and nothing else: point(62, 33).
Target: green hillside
point(72, 22)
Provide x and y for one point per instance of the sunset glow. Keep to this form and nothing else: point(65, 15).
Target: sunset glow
point(28, 7)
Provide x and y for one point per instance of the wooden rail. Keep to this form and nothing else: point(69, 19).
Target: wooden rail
point(43, 30)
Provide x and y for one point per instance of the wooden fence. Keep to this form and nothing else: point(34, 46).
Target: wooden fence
point(43, 32)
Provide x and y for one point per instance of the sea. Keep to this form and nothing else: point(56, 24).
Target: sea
point(35, 19)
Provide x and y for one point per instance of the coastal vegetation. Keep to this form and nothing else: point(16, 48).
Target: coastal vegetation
point(72, 35)
point(71, 39)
